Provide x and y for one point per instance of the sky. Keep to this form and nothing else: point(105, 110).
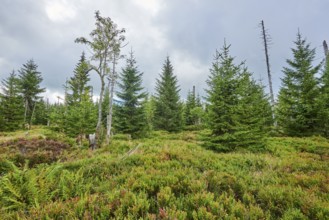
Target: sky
point(188, 31)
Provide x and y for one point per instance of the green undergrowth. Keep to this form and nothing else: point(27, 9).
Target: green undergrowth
point(171, 176)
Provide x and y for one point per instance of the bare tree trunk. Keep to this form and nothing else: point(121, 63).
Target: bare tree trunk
point(100, 102)
point(25, 112)
point(109, 117)
point(265, 39)
point(35, 103)
point(48, 118)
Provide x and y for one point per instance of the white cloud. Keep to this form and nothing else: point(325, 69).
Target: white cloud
point(53, 96)
point(59, 10)
point(189, 70)
point(152, 6)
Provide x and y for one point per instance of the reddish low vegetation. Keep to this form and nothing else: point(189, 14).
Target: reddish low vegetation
point(34, 150)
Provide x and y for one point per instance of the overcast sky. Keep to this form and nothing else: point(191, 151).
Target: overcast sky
point(188, 31)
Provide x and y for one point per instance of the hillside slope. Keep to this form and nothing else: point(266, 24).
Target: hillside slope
point(171, 176)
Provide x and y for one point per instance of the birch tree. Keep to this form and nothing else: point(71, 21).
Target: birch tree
point(105, 43)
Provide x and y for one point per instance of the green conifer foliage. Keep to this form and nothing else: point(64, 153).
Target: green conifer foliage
point(130, 115)
point(168, 109)
point(81, 117)
point(189, 105)
point(298, 109)
point(235, 105)
point(78, 83)
point(324, 100)
point(80, 111)
point(57, 116)
point(193, 110)
point(30, 79)
point(41, 113)
point(254, 113)
point(12, 108)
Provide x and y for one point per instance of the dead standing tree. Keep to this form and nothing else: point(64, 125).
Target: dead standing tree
point(326, 51)
point(266, 39)
point(111, 84)
point(105, 39)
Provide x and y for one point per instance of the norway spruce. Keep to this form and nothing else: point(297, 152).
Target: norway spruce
point(193, 109)
point(168, 109)
point(30, 79)
point(254, 113)
point(12, 108)
point(235, 105)
point(298, 109)
point(81, 113)
point(324, 99)
point(130, 115)
point(79, 82)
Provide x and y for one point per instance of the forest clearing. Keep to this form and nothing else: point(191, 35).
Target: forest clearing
point(201, 135)
point(169, 176)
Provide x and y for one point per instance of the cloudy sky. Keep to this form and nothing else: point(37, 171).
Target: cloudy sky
point(188, 31)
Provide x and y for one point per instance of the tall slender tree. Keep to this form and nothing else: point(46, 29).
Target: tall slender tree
point(168, 113)
point(30, 79)
point(12, 108)
point(298, 110)
point(105, 43)
point(131, 115)
point(266, 40)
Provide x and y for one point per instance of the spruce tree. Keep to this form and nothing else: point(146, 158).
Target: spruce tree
point(78, 83)
point(234, 109)
point(57, 117)
point(30, 79)
point(12, 109)
point(41, 113)
point(298, 109)
point(193, 109)
point(80, 110)
point(324, 100)
point(130, 115)
point(149, 108)
point(189, 106)
point(81, 117)
point(168, 109)
point(254, 113)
